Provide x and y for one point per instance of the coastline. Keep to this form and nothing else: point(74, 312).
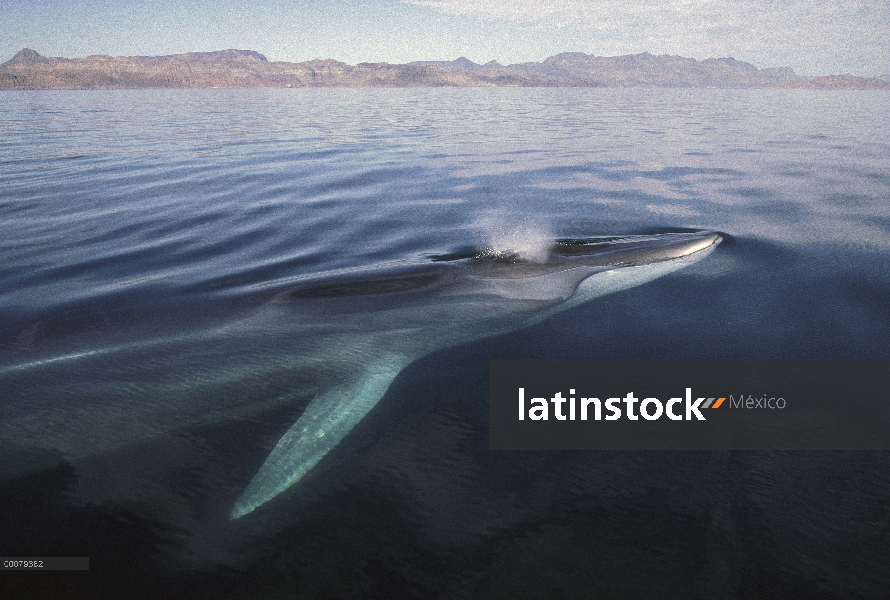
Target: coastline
point(29, 70)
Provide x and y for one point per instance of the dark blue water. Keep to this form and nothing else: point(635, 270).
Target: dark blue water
point(141, 231)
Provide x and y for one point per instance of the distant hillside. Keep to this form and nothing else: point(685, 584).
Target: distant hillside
point(245, 68)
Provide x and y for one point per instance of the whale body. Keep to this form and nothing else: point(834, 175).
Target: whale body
point(455, 300)
point(339, 339)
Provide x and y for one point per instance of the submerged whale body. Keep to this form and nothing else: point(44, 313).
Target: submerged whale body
point(381, 322)
point(91, 380)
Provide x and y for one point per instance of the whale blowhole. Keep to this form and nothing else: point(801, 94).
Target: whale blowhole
point(522, 243)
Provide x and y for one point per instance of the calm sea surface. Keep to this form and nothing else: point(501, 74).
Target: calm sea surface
point(140, 230)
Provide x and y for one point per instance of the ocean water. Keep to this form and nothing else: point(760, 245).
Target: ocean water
point(141, 233)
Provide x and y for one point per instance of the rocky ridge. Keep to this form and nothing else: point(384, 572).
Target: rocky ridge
point(245, 68)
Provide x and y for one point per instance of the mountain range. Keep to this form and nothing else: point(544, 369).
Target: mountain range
point(246, 68)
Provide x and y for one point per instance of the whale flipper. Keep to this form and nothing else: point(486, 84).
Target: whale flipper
point(325, 422)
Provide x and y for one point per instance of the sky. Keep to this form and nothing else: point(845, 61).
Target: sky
point(815, 37)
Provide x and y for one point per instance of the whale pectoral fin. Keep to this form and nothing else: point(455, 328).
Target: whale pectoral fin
point(324, 423)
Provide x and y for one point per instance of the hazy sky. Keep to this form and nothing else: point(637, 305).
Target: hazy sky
point(812, 36)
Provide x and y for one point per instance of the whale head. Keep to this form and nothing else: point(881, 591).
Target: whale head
point(579, 269)
point(611, 252)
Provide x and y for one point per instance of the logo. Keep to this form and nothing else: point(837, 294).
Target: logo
point(628, 404)
point(650, 409)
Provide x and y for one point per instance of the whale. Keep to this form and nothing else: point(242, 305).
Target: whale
point(453, 300)
point(333, 342)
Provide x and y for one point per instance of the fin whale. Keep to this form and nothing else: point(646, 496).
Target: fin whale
point(381, 322)
point(105, 377)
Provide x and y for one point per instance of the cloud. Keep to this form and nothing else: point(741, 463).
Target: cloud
point(595, 14)
point(772, 32)
point(655, 14)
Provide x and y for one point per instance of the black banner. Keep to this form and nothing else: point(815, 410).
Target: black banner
point(43, 563)
point(689, 405)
